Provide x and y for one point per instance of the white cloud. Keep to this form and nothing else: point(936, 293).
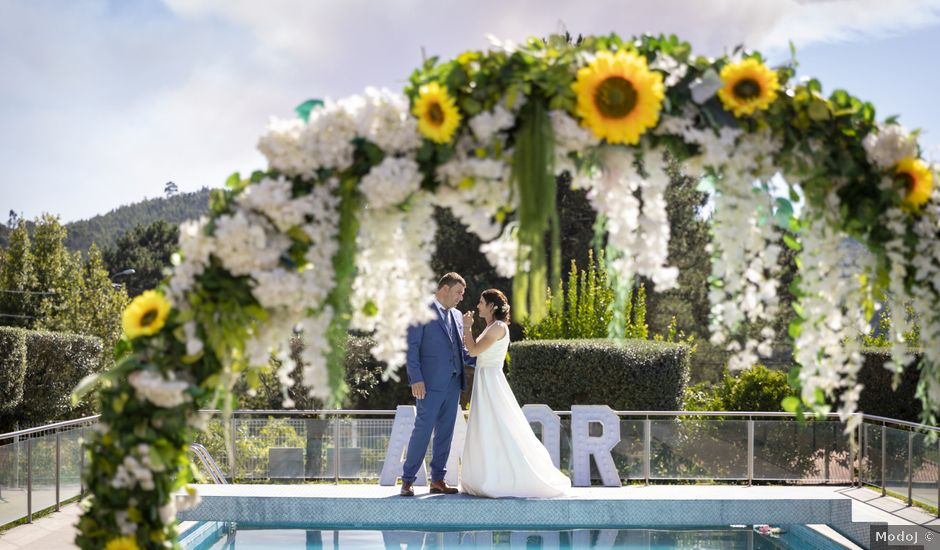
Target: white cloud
point(102, 102)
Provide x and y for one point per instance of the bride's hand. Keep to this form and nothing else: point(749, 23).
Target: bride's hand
point(468, 318)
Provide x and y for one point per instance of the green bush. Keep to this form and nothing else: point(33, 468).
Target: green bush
point(623, 374)
point(55, 363)
point(754, 389)
point(12, 367)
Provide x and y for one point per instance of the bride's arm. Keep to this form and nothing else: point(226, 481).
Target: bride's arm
point(476, 347)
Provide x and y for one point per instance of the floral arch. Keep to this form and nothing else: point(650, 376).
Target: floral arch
point(348, 197)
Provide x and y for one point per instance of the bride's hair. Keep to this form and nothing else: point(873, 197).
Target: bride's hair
point(499, 302)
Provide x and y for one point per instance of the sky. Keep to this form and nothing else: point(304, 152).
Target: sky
point(104, 101)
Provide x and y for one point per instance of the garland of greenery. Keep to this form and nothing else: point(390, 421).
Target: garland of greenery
point(349, 189)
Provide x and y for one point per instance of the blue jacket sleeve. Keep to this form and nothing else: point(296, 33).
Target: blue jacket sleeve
point(413, 355)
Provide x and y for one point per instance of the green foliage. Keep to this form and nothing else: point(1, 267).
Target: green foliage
point(624, 374)
point(367, 390)
point(89, 303)
point(12, 367)
point(53, 364)
point(17, 279)
point(583, 312)
point(44, 286)
point(885, 393)
point(881, 337)
point(754, 389)
point(675, 334)
point(146, 249)
point(105, 229)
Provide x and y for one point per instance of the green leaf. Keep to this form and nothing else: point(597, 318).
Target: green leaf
point(792, 243)
point(303, 110)
point(795, 329)
point(791, 404)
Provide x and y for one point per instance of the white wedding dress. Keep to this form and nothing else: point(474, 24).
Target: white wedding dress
point(501, 455)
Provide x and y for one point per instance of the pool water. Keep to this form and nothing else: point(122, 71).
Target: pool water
point(230, 536)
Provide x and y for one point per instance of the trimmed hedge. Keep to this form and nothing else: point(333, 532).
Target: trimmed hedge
point(878, 398)
point(624, 375)
point(54, 364)
point(12, 367)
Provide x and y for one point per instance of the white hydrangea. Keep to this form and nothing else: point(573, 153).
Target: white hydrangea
point(570, 137)
point(273, 198)
point(384, 119)
point(281, 145)
point(246, 243)
point(152, 386)
point(194, 345)
point(487, 124)
point(316, 348)
point(191, 261)
point(476, 190)
point(889, 145)
point(391, 182)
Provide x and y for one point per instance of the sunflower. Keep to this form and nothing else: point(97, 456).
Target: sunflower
point(619, 98)
point(917, 180)
point(146, 314)
point(749, 86)
point(122, 543)
point(437, 114)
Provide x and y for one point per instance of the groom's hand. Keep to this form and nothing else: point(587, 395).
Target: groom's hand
point(417, 390)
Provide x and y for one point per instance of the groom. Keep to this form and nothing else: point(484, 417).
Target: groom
point(436, 356)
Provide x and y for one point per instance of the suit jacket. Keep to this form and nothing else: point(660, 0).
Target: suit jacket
point(431, 357)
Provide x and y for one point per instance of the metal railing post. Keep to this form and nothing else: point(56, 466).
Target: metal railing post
point(81, 462)
point(910, 468)
point(852, 460)
point(233, 466)
point(750, 450)
point(647, 446)
point(862, 438)
point(29, 480)
point(336, 449)
point(884, 456)
point(58, 462)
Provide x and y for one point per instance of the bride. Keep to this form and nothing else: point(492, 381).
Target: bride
point(501, 455)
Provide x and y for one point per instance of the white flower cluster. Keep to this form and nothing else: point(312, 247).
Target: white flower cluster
point(487, 124)
point(639, 233)
point(674, 70)
point(715, 149)
point(274, 199)
point(296, 148)
point(135, 471)
point(570, 138)
point(152, 386)
point(898, 297)
point(179, 503)
point(744, 239)
point(290, 295)
point(828, 348)
point(475, 190)
point(926, 264)
point(394, 279)
point(195, 248)
point(316, 348)
point(889, 145)
point(390, 182)
point(503, 252)
point(246, 243)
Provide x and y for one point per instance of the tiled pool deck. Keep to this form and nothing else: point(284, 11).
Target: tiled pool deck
point(850, 511)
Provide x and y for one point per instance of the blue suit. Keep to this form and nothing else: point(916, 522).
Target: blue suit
point(437, 359)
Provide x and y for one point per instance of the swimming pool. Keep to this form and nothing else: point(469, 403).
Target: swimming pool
point(258, 536)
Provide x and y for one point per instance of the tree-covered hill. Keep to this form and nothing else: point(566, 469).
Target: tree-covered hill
point(105, 229)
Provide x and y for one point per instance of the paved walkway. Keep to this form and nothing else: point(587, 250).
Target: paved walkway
point(56, 531)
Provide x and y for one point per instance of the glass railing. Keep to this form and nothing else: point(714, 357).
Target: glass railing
point(40, 468)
